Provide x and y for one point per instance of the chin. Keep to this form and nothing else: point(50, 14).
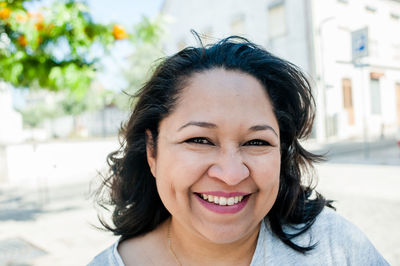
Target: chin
point(227, 234)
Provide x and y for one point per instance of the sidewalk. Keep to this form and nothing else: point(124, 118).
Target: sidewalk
point(379, 152)
point(368, 196)
point(348, 146)
point(49, 228)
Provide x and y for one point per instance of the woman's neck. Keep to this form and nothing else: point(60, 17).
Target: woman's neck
point(190, 248)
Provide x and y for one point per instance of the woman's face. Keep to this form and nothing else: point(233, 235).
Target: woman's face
point(217, 163)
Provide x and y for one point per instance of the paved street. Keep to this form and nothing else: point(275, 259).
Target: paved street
point(61, 224)
point(368, 196)
point(54, 225)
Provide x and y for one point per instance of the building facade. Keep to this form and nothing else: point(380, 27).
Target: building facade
point(355, 98)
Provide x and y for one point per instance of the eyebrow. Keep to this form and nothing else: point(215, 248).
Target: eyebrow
point(262, 127)
point(199, 124)
point(212, 126)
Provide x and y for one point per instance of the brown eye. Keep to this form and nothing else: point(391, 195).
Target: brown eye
point(257, 142)
point(199, 140)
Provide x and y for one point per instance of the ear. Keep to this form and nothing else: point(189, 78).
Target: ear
point(150, 152)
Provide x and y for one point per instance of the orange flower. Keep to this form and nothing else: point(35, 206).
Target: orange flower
point(39, 26)
point(5, 13)
point(119, 32)
point(21, 18)
point(22, 40)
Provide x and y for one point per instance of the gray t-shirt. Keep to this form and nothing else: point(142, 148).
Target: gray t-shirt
point(338, 242)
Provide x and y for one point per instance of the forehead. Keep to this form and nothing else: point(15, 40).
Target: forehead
point(222, 96)
point(223, 86)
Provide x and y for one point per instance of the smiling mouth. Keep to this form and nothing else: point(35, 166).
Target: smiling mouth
point(222, 201)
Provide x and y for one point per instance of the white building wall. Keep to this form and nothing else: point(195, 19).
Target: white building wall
point(214, 19)
point(334, 21)
point(318, 39)
point(293, 46)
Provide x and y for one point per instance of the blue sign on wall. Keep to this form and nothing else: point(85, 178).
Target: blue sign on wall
point(359, 43)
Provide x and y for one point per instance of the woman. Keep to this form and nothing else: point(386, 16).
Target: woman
point(211, 171)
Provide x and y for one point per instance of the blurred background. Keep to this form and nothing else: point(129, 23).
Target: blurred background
point(67, 69)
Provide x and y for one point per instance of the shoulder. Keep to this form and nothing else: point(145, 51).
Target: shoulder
point(331, 226)
point(343, 241)
point(109, 256)
point(336, 240)
point(134, 251)
point(145, 249)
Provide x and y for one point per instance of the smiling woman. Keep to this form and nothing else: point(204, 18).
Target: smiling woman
point(220, 152)
point(211, 171)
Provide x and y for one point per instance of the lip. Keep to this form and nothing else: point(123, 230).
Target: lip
point(227, 209)
point(224, 194)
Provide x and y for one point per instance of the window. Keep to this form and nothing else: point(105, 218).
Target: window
point(371, 9)
point(347, 94)
point(375, 97)
point(394, 16)
point(348, 100)
point(276, 19)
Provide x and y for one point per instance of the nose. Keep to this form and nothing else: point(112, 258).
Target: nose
point(229, 168)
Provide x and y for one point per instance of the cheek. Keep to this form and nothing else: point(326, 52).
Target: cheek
point(188, 165)
point(176, 174)
point(266, 171)
point(266, 177)
point(177, 171)
point(267, 182)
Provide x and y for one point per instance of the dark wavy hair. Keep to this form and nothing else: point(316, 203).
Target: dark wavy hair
point(137, 207)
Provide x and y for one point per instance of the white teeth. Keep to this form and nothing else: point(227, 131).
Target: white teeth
point(223, 201)
point(231, 201)
point(216, 199)
point(236, 199)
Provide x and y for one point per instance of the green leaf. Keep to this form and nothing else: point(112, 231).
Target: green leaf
point(16, 71)
point(58, 54)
